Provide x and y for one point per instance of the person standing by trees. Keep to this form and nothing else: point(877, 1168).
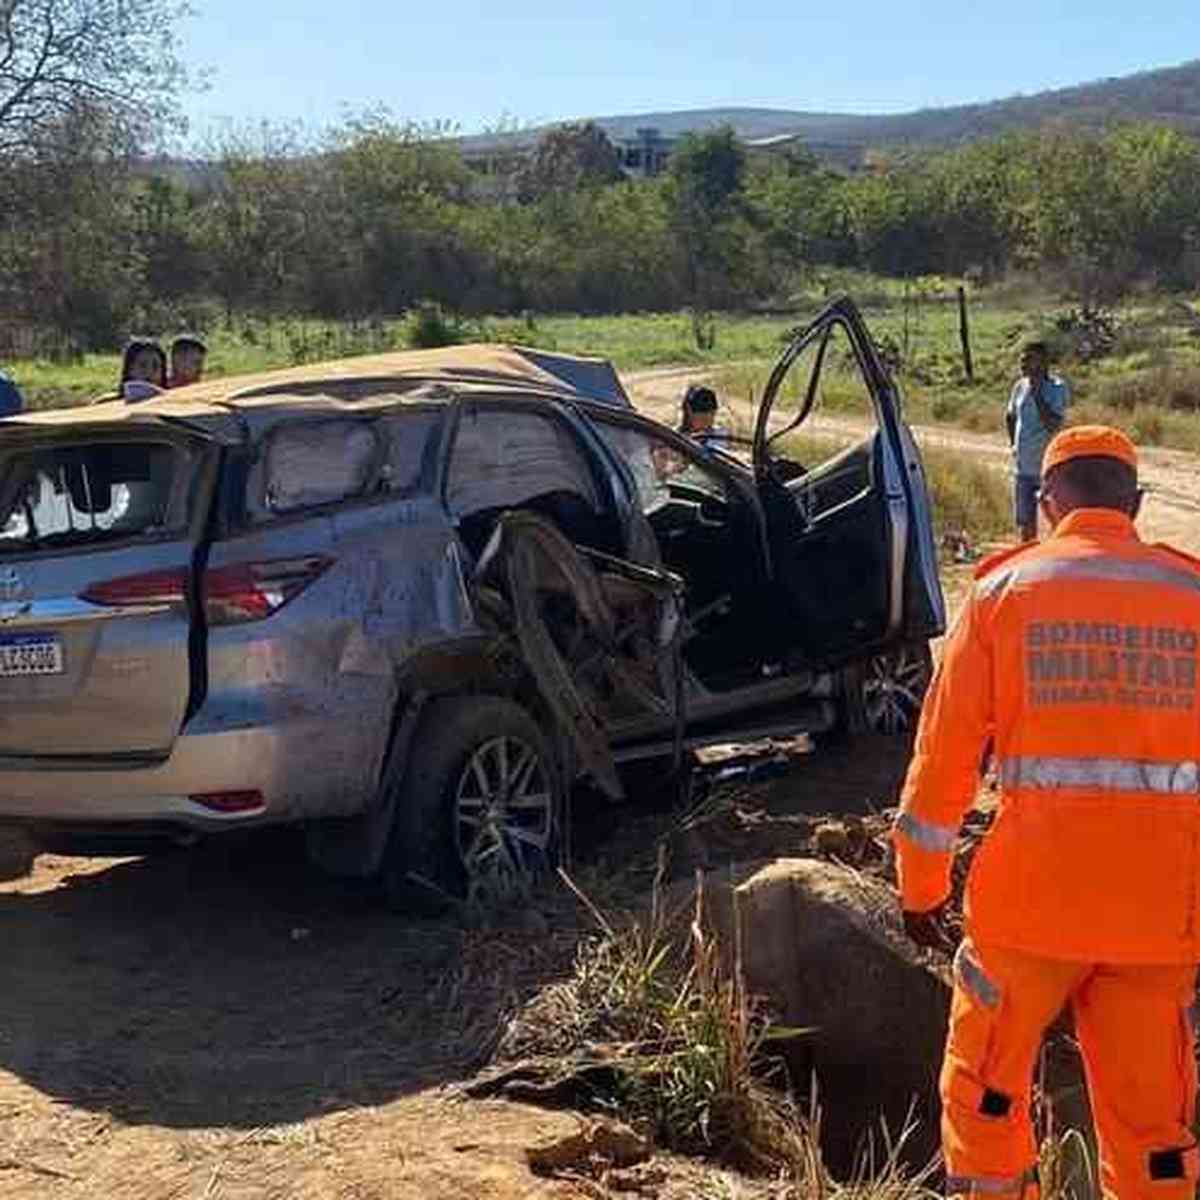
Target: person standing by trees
point(1035, 412)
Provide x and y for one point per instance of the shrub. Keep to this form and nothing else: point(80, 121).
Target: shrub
point(682, 1044)
point(428, 326)
point(1086, 332)
point(1170, 387)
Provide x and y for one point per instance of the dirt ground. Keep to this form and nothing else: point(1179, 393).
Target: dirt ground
point(223, 1022)
point(226, 1023)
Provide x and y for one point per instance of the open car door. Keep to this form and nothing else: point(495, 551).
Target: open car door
point(845, 501)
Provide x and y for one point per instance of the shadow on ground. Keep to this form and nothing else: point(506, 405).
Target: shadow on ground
point(222, 986)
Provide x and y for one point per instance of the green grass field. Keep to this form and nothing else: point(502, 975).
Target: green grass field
point(1148, 381)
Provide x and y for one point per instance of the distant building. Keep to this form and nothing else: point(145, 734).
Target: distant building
point(497, 157)
point(645, 154)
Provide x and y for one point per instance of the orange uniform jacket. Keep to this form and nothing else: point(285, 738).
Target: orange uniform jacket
point(1079, 657)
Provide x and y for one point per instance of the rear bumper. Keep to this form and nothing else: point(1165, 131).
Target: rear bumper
point(295, 767)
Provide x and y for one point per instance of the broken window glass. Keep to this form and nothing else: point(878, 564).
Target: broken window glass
point(405, 436)
point(314, 463)
point(70, 494)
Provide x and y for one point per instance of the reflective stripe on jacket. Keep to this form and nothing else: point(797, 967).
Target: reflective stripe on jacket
point(1079, 657)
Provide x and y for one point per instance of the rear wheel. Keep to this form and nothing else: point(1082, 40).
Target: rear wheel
point(478, 807)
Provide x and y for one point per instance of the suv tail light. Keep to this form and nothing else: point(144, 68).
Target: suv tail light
point(254, 590)
point(150, 588)
point(233, 594)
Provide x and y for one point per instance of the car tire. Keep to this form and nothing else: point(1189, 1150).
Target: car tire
point(456, 833)
point(864, 702)
point(884, 694)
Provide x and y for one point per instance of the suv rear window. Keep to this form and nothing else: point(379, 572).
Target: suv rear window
point(72, 495)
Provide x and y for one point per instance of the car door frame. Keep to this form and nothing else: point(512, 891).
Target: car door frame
point(732, 472)
point(906, 505)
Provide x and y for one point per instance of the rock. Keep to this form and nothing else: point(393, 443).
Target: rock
point(824, 946)
point(595, 1142)
point(832, 838)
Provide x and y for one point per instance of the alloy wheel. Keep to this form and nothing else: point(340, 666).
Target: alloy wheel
point(504, 814)
point(893, 687)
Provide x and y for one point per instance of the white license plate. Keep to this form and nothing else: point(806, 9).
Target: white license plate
point(30, 654)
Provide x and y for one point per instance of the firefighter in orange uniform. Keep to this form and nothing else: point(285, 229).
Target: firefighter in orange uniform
point(1078, 656)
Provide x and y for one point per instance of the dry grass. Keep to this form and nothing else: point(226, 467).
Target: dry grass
point(970, 496)
point(686, 1045)
point(687, 1056)
point(688, 1051)
point(1172, 386)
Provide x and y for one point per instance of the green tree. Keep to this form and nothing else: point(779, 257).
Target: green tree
point(165, 214)
point(398, 191)
point(893, 216)
point(70, 258)
point(1154, 176)
point(704, 193)
point(978, 195)
point(796, 207)
point(567, 158)
point(59, 56)
point(263, 202)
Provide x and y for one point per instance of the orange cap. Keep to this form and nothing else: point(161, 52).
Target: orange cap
point(1089, 441)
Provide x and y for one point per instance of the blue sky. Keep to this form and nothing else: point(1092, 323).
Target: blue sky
point(533, 60)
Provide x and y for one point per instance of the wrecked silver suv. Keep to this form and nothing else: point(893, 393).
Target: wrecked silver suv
point(410, 600)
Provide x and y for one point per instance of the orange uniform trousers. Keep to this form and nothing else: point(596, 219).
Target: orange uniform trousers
point(1134, 1024)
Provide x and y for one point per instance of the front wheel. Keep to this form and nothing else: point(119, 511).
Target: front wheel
point(884, 694)
point(478, 806)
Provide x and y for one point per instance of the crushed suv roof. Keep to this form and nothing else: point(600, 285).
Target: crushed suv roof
point(355, 379)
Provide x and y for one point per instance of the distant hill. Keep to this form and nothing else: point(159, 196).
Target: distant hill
point(1170, 95)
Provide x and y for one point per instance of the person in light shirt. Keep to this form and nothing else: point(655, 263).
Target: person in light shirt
point(1036, 408)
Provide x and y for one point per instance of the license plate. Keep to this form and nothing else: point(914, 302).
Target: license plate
point(30, 654)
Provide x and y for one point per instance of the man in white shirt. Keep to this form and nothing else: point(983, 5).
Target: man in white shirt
point(1036, 408)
